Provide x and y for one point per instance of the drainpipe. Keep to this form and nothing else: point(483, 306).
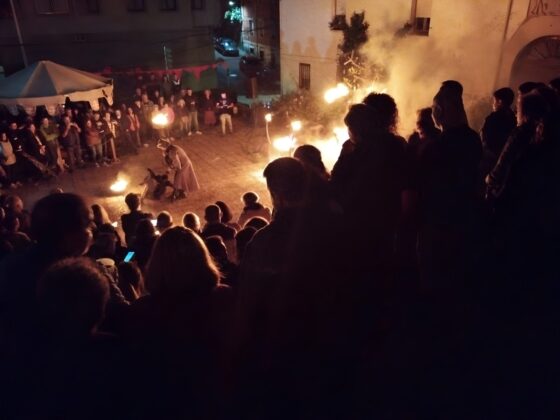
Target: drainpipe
point(504, 39)
point(413, 9)
point(20, 39)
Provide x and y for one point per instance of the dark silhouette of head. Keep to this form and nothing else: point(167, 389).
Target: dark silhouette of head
point(256, 222)
point(286, 180)
point(385, 114)
point(528, 87)
point(448, 109)
point(62, 224)
point(132, 201)
point(212, 214)
point(164, 221)
point(180, 263)
point(226, 212)
point(503, 98)
point(242, 239)
point(533, 108)
point(145, 230)
point(250, 198)
point(72, 295)
point(131, 281)
point(311, 159)
point(359, 123)
point(555, 84)
point(425, 122)
point(217, 248)
point(191, 221)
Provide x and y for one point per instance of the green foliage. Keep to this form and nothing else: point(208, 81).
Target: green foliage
point(233, 14)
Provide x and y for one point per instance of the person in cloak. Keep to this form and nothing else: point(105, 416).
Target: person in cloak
point(184, 178)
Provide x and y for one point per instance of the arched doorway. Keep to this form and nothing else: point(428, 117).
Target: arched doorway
point(538, 61)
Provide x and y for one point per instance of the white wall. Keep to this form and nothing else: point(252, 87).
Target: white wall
point(305, 37)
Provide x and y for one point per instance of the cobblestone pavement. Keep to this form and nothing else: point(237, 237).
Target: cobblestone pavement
point(226, 167)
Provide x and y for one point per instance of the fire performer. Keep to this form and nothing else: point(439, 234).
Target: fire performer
point(176, 159)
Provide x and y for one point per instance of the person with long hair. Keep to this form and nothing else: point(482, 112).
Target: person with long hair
point(185, 317)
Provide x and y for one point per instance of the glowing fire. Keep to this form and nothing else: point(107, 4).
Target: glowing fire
point(339, 91)
point(268, 117)
point(284, 144)
point(119, 186)
point(341, 133)
point(296, 125)
point(160, 120)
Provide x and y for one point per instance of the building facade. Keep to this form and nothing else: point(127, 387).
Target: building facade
point(260, 33)
point(94, 34)
point(484, 44)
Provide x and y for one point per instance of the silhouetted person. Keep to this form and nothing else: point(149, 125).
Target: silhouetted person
point(164, 221)
point(130, 220)
point(497, 127)
point(448, 193)
point(228, 269)
point(370, 179)
point(252, 207)
point(192, 222)
point(185, 317)
point(144, 239)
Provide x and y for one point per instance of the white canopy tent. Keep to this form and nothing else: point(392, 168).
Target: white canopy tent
point(49, 84)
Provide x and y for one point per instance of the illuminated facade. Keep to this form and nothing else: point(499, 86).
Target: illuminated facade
point(260, 33)
point(92, 34)
point(482, 43)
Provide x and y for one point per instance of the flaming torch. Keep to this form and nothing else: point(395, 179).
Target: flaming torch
point(339, 91)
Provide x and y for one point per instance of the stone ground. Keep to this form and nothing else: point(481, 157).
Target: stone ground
point(226, 167)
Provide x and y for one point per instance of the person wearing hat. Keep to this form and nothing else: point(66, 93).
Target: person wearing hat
point(176, 159)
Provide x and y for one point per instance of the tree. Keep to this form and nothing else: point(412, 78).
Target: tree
point(354, 68)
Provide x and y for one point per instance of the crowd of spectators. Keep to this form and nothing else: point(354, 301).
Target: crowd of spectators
point(43, 146)
point(418, 279)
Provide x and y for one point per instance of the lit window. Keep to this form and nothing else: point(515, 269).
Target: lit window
point(168, 5)
point(304, 76)
point(52, 7)
point(136, 6)
point(198, 4)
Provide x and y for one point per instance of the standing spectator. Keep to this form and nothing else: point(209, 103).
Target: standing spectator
point(449, 194)
point(142, 132)
point(182, 116)
point(35, 152)
point(130, 220)
point(224, 108)
point(214, 226)
point(50, 134)
point(17, 141)
point(208, 107)
point(110, 136)
point(497, 128)
point(147, 111)
point(192, 108)
point(93, 142)
point(9, 161)
point(133, 128)
point(70, 139)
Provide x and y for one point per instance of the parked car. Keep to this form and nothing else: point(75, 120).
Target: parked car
point(251, 66)
point(227, 46)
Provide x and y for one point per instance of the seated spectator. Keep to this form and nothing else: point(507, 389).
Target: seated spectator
point(218, 250)
point(214, 226)
point(164, 221)
point(227, 216)
point(13, 205)
point(256, 222)
point(192, 222)
point(18, 240)
point(130, 220)
point(185, 317)
point(144, 240)
point(131, 281)
point(252, 207)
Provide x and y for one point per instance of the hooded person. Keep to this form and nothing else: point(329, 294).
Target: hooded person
point(184, 177)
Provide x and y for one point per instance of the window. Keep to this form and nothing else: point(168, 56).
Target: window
point(339, 18)
point(304, 76)
point(198, 4)
point(136, 6)
point(420, 17)
point(168, 5)
point(86, 7)
point(251, 26)
point(52, 7)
